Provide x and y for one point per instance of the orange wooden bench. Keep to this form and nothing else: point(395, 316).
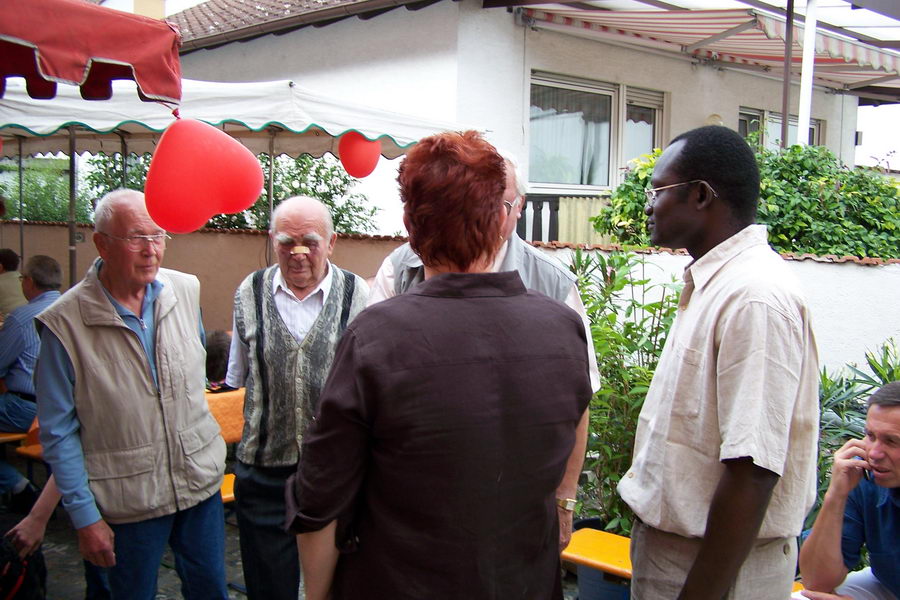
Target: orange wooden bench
point(606, 552)
point(226, 407)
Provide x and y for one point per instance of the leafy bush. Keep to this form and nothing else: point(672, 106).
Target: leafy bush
point(47, 190)
point(629, 319)
point(810, 202)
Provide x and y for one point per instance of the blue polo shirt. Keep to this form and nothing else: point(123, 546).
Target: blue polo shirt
point(872, 517)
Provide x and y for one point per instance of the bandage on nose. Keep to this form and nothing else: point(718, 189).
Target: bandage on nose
point(299, 250)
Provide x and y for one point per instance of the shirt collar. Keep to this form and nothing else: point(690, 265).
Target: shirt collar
point(886, 495)
point(151, 293)
point(279, 284)
point(704, 268)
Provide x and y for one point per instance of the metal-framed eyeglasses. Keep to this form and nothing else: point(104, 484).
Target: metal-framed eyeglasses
point(653, 193)
point(136, 243)
point(511, 205)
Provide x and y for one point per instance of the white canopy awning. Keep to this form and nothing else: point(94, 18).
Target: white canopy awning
point(299, 121)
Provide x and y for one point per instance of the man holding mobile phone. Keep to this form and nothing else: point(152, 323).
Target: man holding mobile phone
point(857, 513)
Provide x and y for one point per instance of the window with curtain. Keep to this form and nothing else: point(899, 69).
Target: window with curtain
point(571, 135)
point(751, 120)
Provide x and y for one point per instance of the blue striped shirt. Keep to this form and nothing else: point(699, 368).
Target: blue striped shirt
point(20, 344)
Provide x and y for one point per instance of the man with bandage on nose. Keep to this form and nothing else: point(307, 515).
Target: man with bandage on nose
point(288, 319)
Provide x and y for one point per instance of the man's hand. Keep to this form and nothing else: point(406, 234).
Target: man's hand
point(27, 535)
point(565, 527)
point(823, 596)
point(850, 462)
point(95, 542)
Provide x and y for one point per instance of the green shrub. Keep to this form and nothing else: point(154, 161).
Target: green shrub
point(629, 319)
point(810, 202)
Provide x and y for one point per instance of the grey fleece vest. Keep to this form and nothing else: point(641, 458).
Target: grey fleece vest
point(286, 377)
point(538, 271)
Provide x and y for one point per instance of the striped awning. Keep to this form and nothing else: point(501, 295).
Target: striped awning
point(740, 38)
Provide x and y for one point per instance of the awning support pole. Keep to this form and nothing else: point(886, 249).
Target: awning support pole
point(806, 74)
point(73, 176)
point(124, 161)
point(270, 189)
point(21, 201)
point(786, 84)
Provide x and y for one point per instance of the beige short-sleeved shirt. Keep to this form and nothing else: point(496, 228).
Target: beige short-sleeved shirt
point(738, 377)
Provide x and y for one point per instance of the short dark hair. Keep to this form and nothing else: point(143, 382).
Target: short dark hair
point(218, 344)
point(9, 259)
point(722, 158)
point(44, 271)
point(888, 395)
point(451, 185)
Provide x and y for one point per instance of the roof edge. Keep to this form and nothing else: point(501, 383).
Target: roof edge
point(293, 21)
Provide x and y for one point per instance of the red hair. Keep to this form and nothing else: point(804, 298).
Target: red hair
point(451, 185)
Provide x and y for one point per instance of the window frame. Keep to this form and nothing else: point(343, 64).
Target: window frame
point(621, 97)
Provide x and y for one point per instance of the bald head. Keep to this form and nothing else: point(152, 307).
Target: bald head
point(306, 208)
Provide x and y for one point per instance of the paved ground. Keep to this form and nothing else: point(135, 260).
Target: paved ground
point(65, 575)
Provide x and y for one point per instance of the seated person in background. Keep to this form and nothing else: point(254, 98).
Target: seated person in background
point(10, 291)
point(217, 344)
point(19, 347)
point(446, 424)
point(861, 508)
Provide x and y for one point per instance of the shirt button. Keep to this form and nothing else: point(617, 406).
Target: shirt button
point(630, 474)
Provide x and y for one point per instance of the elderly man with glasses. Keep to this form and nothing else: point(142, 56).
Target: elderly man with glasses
point(124, 422)
point(724, 464)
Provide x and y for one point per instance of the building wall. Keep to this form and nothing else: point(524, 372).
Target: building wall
point(455, 61)
point(853, 306)
point(220, 259)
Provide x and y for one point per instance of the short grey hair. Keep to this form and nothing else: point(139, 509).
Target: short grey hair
point(510, 159)
point(293, 203)
point(106, 207)
point(888, 396)
point(44, 271)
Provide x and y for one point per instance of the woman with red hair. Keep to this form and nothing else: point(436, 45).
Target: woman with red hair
point(445, 425)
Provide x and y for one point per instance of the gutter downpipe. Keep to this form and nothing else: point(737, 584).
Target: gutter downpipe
point(806, 74)
point(786, 83)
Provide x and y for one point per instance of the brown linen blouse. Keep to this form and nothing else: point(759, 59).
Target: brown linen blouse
point(441, 436)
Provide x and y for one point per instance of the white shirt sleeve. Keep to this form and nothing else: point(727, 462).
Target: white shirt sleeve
point(237, 359)
point(573, 301)
point(383, 284)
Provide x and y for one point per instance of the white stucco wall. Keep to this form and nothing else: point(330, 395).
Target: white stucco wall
point(403, 61)
point(459, 62)
point(853, 307)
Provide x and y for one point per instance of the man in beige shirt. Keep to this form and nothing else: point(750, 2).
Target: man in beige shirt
point(724, 466)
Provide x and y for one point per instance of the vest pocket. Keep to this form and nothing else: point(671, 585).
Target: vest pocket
point(122, 482)
point(204, 454)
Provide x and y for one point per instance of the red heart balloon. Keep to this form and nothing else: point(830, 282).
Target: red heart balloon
point(358, 155)
point(198, 171)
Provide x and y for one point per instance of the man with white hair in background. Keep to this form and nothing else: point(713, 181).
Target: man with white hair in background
point(403, 269)
point(288, 319)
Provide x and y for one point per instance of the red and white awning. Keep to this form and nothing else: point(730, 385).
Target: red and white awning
point(742, 38)
point(78, 43)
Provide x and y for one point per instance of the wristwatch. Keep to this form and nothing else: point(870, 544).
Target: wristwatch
point(566, 503)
